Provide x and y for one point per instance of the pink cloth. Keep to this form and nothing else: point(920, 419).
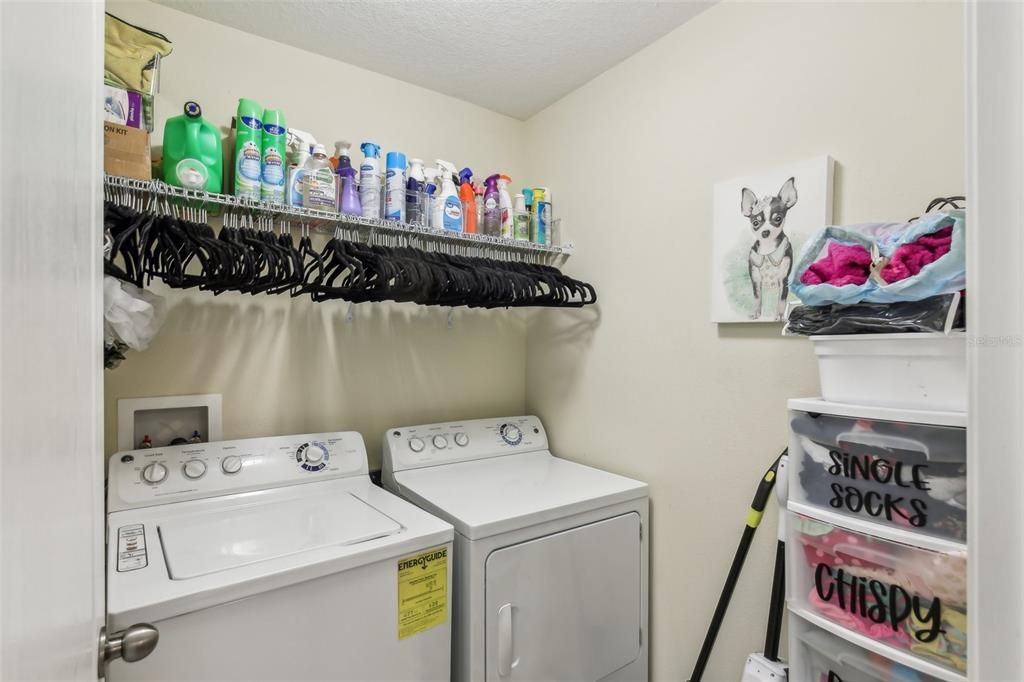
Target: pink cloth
point(907, 260)
point(843, 264)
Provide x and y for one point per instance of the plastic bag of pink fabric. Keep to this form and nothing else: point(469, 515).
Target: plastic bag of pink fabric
point(883, 262)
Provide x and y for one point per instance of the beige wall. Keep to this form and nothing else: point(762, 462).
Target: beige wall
point(645, 385)
point(288, 365)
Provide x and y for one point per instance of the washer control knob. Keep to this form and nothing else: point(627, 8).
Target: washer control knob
point(154, 473)
point(461, 439)
point(511, 434)
point(314, 454)
point(416, 445)
point(440, 442)
point(193, 469)
point(231, 464)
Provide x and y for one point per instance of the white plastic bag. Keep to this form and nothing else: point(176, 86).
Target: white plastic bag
point(130, 314)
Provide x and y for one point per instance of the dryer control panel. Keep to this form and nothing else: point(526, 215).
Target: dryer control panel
point(412, 447)
point(143, 478)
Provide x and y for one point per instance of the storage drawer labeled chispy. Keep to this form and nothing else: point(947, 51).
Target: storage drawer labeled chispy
point(820, 656)
point(904, 596)
point(909, 475)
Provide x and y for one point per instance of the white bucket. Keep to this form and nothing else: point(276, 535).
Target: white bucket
point(913, 371)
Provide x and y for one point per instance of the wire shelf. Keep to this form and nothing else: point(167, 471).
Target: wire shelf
point(368, 229)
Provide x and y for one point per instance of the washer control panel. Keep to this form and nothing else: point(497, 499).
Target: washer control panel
point(142, 478)
point(412, 447)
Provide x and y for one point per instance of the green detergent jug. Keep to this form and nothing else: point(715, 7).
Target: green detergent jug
point(192, 151)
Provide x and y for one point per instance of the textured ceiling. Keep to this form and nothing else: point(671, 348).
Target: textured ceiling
point(514, 57)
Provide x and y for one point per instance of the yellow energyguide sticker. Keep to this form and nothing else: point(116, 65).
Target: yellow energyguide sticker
point(422, 591)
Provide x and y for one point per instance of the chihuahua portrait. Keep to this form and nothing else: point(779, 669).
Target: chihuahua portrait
point(771, 255)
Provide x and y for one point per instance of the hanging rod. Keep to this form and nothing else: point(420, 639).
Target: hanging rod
point(368, 228)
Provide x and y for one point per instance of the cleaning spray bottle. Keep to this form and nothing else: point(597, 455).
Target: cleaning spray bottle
point(468, 198)
point(528, 195)
point(540, 223)
point(414, 193)
point(448, 207)
point(369, 180)
point(521, 219)
point(478, 201)
point(492, 207)
point(429, 195)
point(319, 188)
point(273, 150)
point(299, 145)
point(505, 204)
point(349, 202)
point(394, 200)
point(248, 144)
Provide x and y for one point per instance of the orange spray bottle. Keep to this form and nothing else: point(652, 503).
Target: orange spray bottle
point(468, 198)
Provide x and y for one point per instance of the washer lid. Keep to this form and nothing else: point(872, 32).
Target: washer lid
point(489, 496)
point(216, 540)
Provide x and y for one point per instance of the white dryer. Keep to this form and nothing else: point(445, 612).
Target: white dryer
point(550, 556)
point(274, 559)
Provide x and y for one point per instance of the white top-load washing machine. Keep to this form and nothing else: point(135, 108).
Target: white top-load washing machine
point(274, 559)
point(550, 555)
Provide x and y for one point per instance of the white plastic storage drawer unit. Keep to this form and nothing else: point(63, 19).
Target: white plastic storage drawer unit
point(900, 468)
point(909, 594)
point(820, 656)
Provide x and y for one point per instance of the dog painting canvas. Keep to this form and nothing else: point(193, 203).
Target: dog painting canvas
point(760, 223)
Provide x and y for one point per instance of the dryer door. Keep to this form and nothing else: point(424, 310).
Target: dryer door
point(565, 606)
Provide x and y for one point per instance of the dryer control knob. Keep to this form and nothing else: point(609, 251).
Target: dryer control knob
point(416, 445)
point(440, 442)
point(193, 469)
point(154, 473)
point(511, 434)
point(231, 464)
point(461, 439)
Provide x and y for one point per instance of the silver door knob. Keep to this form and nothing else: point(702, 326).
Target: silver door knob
point(132, 644)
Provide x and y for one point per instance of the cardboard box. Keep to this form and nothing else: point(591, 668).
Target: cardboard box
point(126, 151)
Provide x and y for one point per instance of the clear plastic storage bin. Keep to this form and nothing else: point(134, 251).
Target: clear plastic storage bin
point(819, 656)
point(883, 465)
point(906, 597)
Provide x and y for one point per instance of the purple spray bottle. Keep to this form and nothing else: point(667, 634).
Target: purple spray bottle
point(348, 199)
point(492, 207)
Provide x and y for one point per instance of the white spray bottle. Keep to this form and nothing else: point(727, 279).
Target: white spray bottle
point(299, 145)
point(369, 180)
point(447, 213)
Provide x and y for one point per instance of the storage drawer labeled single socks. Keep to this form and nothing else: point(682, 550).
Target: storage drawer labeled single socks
point(900, 595)
point(908, 475)
point(823, 657)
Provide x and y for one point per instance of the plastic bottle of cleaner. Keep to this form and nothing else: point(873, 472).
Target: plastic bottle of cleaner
point(505, 204)
point(448, 207)
point(468, 198)
point(540, 232)
point(349, 202)
point(248, 147)
point(319, 190)
point(521, 219)
point(394, 201)
point(492, 207)
point(478, 201)
point(542, 206)
point(273, 152)
point(299, 145)
point(414, 192)
point(192, 151)
point(429, 195)
point(369, 180)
